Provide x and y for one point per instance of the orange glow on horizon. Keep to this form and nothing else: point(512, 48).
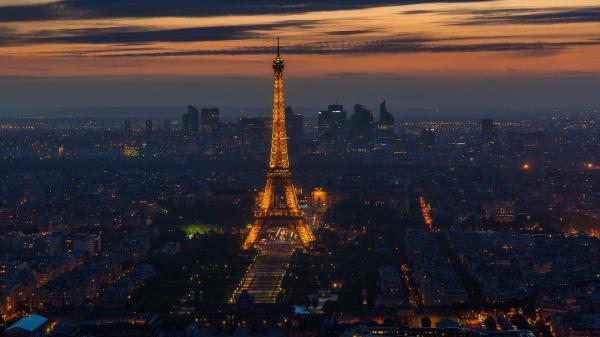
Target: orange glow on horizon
point(423, 39)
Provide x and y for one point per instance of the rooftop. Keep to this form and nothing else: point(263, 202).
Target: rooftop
point(29, 323)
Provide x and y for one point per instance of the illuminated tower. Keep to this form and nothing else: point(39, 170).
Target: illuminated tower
point(278, 204)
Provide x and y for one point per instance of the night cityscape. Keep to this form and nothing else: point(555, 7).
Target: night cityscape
point(431, 170)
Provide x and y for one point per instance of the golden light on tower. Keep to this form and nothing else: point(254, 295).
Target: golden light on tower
point(279, 174)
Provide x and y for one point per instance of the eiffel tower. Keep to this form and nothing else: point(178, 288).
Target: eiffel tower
point(271, 210)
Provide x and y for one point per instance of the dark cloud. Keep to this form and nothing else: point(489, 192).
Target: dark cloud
point(89, 9)
point(140, 35)
point(531, 16)
point(352, 31)
point(405, 44)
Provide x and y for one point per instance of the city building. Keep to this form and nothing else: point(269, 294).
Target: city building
point(211, 127)
point(127, 125)
point(428, 137)
point(167, 126)
point(209, 119)
point(361, 126)
point(385, 128)
point(30, 326)
point(191, 120)
point(332, 123)
point(294, 124)
point(489, 131)
point(253, 134)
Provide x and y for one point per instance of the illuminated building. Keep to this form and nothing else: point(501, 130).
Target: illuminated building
point(501, 211)
point(332, 123)
point(271, 211)
point(209, 119)
point(130, 151)
point(149, 126)
point(61, 150)
point(320, 201)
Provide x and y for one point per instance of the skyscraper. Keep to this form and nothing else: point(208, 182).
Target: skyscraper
point(384, 132)
point(362, 125)
point(332, 123)
point(127, 125)
point(149, 125)
point(210, 126)
point(167, 126)
point(209, 119)
point(191, 120)
point(384, 115)
point(195, 118)
point(253, 133)
point(294, 124)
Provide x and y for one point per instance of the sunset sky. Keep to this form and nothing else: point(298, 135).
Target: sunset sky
point(216, 52)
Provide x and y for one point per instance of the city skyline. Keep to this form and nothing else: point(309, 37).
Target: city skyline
point(451, 54)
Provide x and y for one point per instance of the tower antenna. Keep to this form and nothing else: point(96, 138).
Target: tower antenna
point(277, 46)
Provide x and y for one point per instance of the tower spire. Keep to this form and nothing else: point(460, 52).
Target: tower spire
point(278, 46)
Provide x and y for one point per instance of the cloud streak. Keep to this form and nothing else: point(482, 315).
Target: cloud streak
point(141, 35)
point(95, 9)
point(557, 15)
point(404, 44)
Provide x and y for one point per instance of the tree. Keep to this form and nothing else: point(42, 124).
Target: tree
point(426, 322)
point(490, 324)
point(332, 307)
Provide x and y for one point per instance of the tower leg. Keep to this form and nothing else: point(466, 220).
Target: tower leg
point(254, 233)
point(304, 232)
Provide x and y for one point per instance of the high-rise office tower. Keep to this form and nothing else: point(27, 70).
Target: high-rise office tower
point(362, 125)
point(332, 123)
point(385, 129)
point(489, 131)
point(195, 118)
point(294, 124)
point(209, 119)
point(127, 125)
point(253, 134)
point(149, 125)
point(191, 120)
point(186, 120)
point(167, 126)
point(210, 126)
point(384, 115)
